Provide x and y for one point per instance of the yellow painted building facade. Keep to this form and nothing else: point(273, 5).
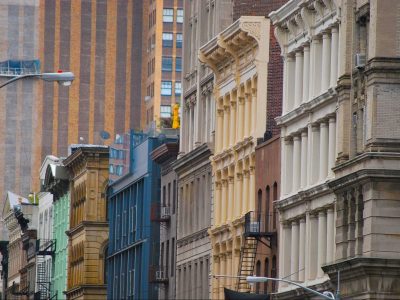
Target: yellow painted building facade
point(238, 57)
point(88, 232)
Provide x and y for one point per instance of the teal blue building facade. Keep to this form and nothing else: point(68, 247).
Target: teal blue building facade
point(134, 239)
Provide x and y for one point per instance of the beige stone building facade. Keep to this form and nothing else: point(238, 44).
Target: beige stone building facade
point(338, 204)
point(238, 57)
point(88, 227)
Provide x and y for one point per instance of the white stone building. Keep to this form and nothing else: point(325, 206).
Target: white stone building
point(339, 206)
point(308, 32)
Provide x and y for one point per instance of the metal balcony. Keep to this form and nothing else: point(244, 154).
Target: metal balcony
point(160, 213)
point(45, 247)
point(259, 225)
point(158, 274)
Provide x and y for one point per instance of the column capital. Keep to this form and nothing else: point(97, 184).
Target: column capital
point(296, 137)
point(246, 173)
point(302, 220)
point(330, 210)
point(304, 133)
point(299, 53)
point(251, 170)
point(231, 179)
point(294, 223)
point(326, 34)
point(288, 140)
point(334, 29)
point(218, 185)
point(227, 108)
point(239, 176)
point(220, 112)
point(315, 127)
point(321, 213)
point(241, 100)
point(323, 123)
point(332, 119)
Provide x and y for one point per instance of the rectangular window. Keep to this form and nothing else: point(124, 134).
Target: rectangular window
point(165, 112)
point(173, 257)
point(178, 88)
point(167, 39)
point(178, 64)
point(179, 40)
point(166, 88)
point(166, 64)
point(168, 15)
point(179, 15)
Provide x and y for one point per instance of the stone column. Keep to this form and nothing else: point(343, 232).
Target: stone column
point(247, 116)
point(326, 61)
point(252, 183)
point(312, 250)
point(323, 157)
point(239, 195)
point(190, 139)
point(311, 80)
point(253, 111)
point(284, 266)
point(240, 124)
point(298, 79)
point(285, 84)
point(317, 67)
point(302, 249)
point(231, 199)
point(315, 158)
point(217, 202)
point(294, 259)
point(304, 160)
point(334, 56)
point(225, 133)
point(306, 73)
point(219, 130)
point(289, 166)
point(217, 270)
point(291, 68)
point(321, 242)
point(245, 200)
point(197, 122)
point(223, 271)
point(330, 237)
point(232, 137)
point(207, 118)
point(181, 128)
point(224, 206)
point(296, 163)
point(332, 145)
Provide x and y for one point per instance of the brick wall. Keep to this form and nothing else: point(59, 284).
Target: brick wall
point(275, 67)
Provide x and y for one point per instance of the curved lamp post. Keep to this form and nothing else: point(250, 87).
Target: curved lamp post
point(64, 78)
point(324, 295)
point(256, 279)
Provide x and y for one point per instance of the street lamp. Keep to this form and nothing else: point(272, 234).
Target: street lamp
point(64, 78)
point(256, 279)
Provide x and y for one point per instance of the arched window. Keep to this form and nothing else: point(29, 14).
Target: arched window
point(259, 201)
point(275, 195)
point(273, 272)
point(258, 273)
point(267, 204)
point(266, 272)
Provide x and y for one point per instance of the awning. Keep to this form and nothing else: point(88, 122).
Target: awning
point(234, 295)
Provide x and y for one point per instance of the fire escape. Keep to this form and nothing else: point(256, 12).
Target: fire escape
point(158, 272)
point(44, 248)
point(257, 228)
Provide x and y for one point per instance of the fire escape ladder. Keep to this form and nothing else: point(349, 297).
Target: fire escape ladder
point(247, 261)
point(44, 248)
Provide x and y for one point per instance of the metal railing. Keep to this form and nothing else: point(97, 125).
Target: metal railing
point(258, 223)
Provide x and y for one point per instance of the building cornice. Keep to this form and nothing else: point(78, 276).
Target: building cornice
point(192, 158)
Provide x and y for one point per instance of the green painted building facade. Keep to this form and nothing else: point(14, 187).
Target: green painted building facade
point(57, 182)
point(60, 226)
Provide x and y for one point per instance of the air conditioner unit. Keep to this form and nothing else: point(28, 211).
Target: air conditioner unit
point(160, 275)
point(254, 226)
point(165, 212)
point(360, 60)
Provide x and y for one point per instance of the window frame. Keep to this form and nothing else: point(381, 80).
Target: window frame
point(167, 18)
point(164, 90)
point(164, 59)
point(167, 43)
point(179, 16)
